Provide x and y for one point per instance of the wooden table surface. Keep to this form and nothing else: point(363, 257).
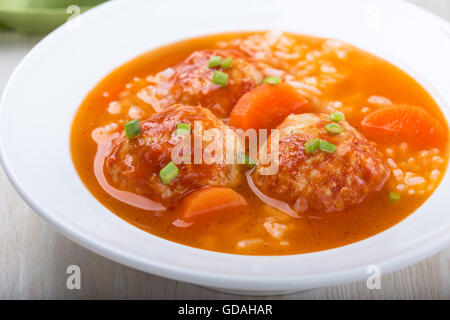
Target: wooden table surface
point(34, 257)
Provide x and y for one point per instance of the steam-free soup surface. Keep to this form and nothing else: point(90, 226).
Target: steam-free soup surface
point(400, 165)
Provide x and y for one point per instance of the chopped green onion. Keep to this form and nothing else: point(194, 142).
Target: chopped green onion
point(337, 116)
point(168, 173)
point(226, 63)
point(312, 145)
point(245, 159)
point(272, 80)
point(214, 62)
point(327, 146)
point(333, 128)
point(183, 129)
point(132, 128)
point(220, 78)
point(394, 196)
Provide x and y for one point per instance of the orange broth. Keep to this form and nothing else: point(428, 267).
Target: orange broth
point(365, 75)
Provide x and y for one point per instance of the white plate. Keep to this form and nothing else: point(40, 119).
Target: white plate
point(46, 89)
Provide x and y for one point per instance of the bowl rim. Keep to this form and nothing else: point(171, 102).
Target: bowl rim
point(213, 279)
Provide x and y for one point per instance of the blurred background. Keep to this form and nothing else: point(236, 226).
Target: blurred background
point(34, 257)
point(40, 16)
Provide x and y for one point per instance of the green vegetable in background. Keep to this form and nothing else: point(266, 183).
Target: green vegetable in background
point(40, 16)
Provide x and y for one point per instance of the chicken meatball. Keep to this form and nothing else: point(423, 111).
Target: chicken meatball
point(134, 164)
point(190, 83)
point(321, 181)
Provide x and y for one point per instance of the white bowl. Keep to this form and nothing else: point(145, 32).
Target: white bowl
point(46, 89)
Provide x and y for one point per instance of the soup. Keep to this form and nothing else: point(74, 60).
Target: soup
point(263, 143)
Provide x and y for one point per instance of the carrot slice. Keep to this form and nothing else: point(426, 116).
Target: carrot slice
point(266, 106)
point(406, 123)
point(213, 200)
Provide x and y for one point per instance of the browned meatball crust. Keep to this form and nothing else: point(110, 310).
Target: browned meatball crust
point(322, 181)
point(190, 83)
point(134, 164)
